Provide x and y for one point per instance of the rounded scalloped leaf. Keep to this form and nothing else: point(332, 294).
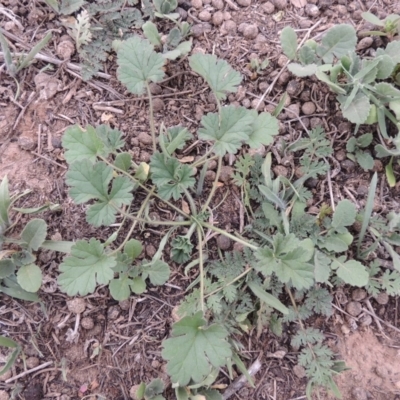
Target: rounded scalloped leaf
point(30, 277)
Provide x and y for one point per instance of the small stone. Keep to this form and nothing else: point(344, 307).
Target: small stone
point(238, 247)
point(76, 306)
point(280, 170)
point(345, 329)
point(210, 176)
point(227, 15)
point(246, 103)
point(150, 250)
point(358, 294)
point(32, 362)
point(382, 371)
point(113, 312)
point(305, 23)
point(145, 138)
point(293, 88)
point(4, 395)
point(357, 15)
point(382, 298)
point(65, 48)
point(197, 4)
point(280, 4)
point(365, 320)
point(223, 242)
point(226, 174)
point(293, 110)
point(342, 10)
point(155, 89)
point(378, 166)
point(205, 16)
point(364, 43)
point(26, 143)
point(144, 156)
point(308, 108)
point(348, 166)
point(87, 323)
point(244, 3)
point(354, 308)
point(155, 364)
point(228, 27)
point(218, 4)
point(124, 305)
point(284, 78)
point(299, 371)
point(158, 105)
point(218, 18)
point(261, 39)
point(197, 30)
point(250, 31)
point(256, 105)
point(268, 7)
point(340, 155)
point(362, 190)
point(312, 10)
point(282, 60)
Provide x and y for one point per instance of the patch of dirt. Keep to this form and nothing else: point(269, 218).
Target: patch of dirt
point(375, 367)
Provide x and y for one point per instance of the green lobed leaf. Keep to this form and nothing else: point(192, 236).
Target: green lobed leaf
point(227, 130)
point(264, 128)
point(322, 267)
point(7, 268)
point(307, 55)
point(133, 248)
point(344, 215)
point(87, 265)
point(170, 176)
point(358, 110)
point(351, 272)
point(338, 41)
point(123, 161)
point(34, 233)
point(193, 348)
point(302, 70)
point(157, 271)
point(81, 144)
point(218, 74)
point(289, 42)
point(29, 277)
point(365, 160)
point(385, 67)
point(121, 288)
point(177, 138)
point(111, 138)
point(91, 182)
point(138, 64)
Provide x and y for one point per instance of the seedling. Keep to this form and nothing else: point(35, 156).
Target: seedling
point(390, 25)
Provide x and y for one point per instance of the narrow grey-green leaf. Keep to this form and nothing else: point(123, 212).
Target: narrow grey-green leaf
point(267, 298)
point(151, 33)
point(34, 233)
point(289, 42)
point(5, 201)
point(373, 19)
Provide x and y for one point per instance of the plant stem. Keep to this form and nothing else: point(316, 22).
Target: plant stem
point(141, 209)
point(204, 158)
point(201, 268)
point(178, 210)
point(214, 186)
point(146, 221)
point(229, 283)
point(236, 239)
point(152, 128)
point(191, 202)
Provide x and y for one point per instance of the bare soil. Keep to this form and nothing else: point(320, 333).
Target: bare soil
point(123, 347)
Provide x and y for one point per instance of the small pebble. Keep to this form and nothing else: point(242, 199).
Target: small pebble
point(223, 242)
point(359, 393)
point(150, 250)
point(282, 60)
point(205, 16)
point(293, 88)
point(365, 320)
point(280, 4)
point(6, 374)
point(145, 138)
point(218, 18)
point(354, 308)
point(226, 174)
point(308, 108)
point(4, 395)
point(238, 247)
point(124, 304)
point(32, 362)
point(293, 110)
point(280, 170)
point(256, 105)
point(246, 103)
point(227, 15)
point(26, 143)
point(244, 3)
point(284, 78)
point(382, 298)
point(76, 306)
point(210, 176)
point(113, 312)
point(250, 31)
point(197, 4)
point(378, 166)
point(87, 323)
point(358, 294)
point(312, 10)
point(342, 10)
point(299, 371)
point(364, 43)
point(197, 30)
point(268, 7)
point(218, 4)
point(228, 27)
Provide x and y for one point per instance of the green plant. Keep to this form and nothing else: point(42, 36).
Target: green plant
point(152, 391)
point(363, 97)
point(355, 150)
point(11, 344)
point(13, 68)
point(390, 25)
point(20, 277)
